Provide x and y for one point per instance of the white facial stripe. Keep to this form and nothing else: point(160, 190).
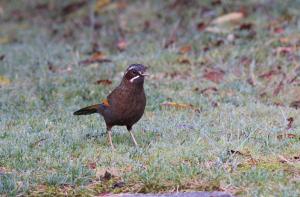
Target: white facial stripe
point(131, 80)
point(132, 67)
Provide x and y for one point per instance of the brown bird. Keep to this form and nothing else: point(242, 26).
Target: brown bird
point(125, 105)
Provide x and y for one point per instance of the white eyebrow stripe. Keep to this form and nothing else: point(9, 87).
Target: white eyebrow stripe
point(132, 67)
point(131, 80)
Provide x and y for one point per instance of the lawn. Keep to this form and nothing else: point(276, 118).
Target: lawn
point(221, 110)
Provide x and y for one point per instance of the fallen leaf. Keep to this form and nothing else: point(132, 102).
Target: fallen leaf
point(216, 2)
point(37, 143)
point(100, 4)
point(56, 69)
point(278, 30)
point(183, 60)
point(280, 104)
point(268, 75)
point(286, 136)
point(104, 82)
point(214, 104)
point(1, 11)
point(6, 40)
point(92, 165)
point(2, 57)
point(201, 26)
point(122, 45)
point(231, 17)
point(235, 152)
point(295, 104)
point(246, 26)
point(284, 40)
point(177, 105)
point(208, 91)
point(119, 184)
point(285, 50)
point(290, 122)
point(97, 57)
point(278, 88)
point(4, 170)
point(185, 49)
point(291, 160)
point(4, 81)
point(73, 7)
point(215, 75)
point(109, 174)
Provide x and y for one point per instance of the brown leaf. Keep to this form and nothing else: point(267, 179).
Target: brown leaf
point(285, 50)
point(92, 165)
point(214, 104)
point(215, 75)
point(278, 30)
point(291, 160)
point(37, 143)
point(268, 75)
point(177, 105)
point(231, 17)
point(183, 60)
point(122, 45)
point(4, 81)
point(201, 26)
point(246, 26)
point(56, 69)
point(104, 82)
point(72, 7)
point(290, 122)
point(185, 49)
point(208, 91)
point(110, 173)
point(235, 152)
point(107, 175)
point(278, 104)
point(1, 10)
point(100, 4)
point(7, 39)
point(2, 57)
point(97, 57)
point(286, 136)
point(295, 104)
point(216, 2)
point(4, 170)
point(278, 88)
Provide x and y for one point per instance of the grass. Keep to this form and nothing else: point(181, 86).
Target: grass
point(230, 143)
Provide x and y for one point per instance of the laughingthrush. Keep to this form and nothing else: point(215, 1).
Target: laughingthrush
point(125, 105)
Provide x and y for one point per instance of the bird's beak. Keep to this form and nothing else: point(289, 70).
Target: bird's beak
point(144, 74)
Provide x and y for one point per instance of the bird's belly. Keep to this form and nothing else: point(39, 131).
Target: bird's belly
point(129, 114)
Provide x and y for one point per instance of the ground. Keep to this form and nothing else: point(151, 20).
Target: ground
point(222, 97)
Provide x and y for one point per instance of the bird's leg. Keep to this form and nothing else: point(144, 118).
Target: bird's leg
point(109, 137)
point(129, 128)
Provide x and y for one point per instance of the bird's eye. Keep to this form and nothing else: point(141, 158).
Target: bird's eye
point(135, 72)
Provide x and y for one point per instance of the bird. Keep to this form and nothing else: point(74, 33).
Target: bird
point(125, 105)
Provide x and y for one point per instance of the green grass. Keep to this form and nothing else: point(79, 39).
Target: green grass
point(44, 149)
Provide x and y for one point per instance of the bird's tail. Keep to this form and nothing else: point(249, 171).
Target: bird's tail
point(88, 110)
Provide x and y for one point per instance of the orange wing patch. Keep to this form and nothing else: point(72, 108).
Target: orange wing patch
point(105, 103)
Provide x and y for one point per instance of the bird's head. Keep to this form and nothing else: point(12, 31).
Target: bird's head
point(135, 74)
